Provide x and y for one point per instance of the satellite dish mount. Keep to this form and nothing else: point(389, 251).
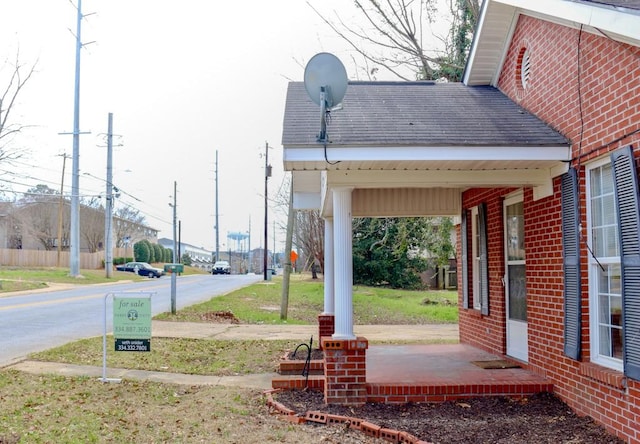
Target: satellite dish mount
point(325, 80)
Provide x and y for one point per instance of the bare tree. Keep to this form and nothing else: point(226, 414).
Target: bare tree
point(17, 77)
point(309, 237)
point(92, 223)
point(396, 37)
point(126, 226)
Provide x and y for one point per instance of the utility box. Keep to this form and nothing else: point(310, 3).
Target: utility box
point(174, 268)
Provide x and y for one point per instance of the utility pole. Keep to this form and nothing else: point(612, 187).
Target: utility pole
point(60, 207)
point(175, 248)
point(74, 248)
point(217, 221)
point(286, 278)
point(250, 266)
point(267, 174)
point(108, 211)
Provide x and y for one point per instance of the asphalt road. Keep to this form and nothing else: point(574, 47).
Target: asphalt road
point(36, 321)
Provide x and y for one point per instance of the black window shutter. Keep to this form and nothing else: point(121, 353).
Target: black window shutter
point(571, 262)
point(465, 259)
point(483, 253)
point(626, 192)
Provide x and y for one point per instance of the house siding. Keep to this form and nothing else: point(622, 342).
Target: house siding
point(609, 89)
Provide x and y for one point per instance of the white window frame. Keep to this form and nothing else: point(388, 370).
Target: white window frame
point(593, 273)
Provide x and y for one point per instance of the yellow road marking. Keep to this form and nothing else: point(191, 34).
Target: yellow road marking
point(56, 301)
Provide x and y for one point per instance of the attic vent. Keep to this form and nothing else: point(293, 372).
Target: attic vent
point(523, 68)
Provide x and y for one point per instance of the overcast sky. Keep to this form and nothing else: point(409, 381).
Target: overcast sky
point(183, 79)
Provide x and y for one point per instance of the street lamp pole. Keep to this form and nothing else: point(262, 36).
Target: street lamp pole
point(108, 211)
point(267, 174)
point(176, 260)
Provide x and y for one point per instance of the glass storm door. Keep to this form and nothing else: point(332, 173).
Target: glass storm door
point(515, 279)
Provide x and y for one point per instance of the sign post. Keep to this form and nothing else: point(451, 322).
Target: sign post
point(131, 325)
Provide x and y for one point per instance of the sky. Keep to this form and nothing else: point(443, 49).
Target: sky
point(184, 80)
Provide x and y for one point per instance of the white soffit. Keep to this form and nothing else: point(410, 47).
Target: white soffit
point(494, 32)
point(306, 181)
point(622, 26)
point(498, 20)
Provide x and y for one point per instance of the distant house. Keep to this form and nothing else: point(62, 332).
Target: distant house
point(537, 152)
point(44, 223)
point(200, 257)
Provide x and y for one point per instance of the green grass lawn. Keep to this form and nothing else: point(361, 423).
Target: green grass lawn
point(21, 279)
point(53, 408)
point(260, 303)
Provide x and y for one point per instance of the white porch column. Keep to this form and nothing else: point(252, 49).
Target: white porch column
point(329, 301)
point(343, 266)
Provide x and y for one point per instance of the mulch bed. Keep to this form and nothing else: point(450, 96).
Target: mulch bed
point(541, 418)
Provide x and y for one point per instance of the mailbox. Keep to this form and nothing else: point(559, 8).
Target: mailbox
point(174, 268)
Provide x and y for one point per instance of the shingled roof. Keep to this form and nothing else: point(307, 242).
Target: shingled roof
point(416, 114)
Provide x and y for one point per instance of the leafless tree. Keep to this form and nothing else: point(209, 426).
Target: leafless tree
point(308, 236)
point(92, 223)
point(13, 78)
point(38, 220)
point(396, 37)
point(126, 225)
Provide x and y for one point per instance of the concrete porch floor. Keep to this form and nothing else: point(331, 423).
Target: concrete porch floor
point(440, 372)
point(432, 373)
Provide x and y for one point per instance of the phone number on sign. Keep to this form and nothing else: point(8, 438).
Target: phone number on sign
point(132, 329)
point(122, 347)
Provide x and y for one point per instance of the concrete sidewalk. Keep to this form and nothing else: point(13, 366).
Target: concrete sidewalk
point(193, 330)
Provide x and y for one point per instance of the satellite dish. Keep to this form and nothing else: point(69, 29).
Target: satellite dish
point(325, 80)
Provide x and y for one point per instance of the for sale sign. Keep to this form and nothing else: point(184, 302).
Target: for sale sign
point(132, 323)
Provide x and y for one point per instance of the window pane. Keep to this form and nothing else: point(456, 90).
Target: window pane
point(611, 241)
point(515, 231)
point(595, 175)
point(517, 293)
point(609, 210)
point(604, 231)
point(607, 179)
point(605, 342)
point(610, 311)
point(597, 237)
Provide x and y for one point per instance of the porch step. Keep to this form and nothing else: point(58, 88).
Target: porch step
point(298, 382)
point(390, 393)
point(296, 366)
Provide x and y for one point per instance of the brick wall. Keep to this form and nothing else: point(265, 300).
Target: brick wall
point(598, 114)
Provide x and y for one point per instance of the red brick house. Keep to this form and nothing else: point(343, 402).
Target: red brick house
point(536, 151)
point(555, 280)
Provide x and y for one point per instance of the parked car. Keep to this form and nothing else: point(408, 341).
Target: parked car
point(221, 267)
point(142, 269)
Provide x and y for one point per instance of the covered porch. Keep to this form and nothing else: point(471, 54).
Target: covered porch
point(407, 149)
point(431, 373)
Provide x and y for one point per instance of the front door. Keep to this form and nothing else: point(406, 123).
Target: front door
point(515, 278)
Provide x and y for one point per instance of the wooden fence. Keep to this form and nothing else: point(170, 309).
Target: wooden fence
point(43, 258)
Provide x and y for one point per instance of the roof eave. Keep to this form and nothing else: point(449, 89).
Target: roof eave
point(491, 42)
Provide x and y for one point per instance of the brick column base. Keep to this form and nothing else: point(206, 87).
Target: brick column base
point(326, 326)
point(345, 371)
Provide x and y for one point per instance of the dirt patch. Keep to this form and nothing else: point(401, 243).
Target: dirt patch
point(220, 317)
point(542, 418)
point(301, 354)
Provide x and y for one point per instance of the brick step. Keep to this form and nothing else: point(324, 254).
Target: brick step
point(298, 382)
point(296, 366)
point(404, 393)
